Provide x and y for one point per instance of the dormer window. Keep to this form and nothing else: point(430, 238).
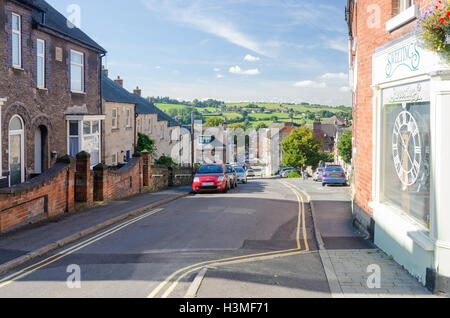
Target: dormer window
point(16, 40)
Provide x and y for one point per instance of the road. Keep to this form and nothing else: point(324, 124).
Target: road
point(258, 237)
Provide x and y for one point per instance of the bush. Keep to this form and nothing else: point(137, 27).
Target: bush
point(145, 143)
point(294, 175)
point(166, 161)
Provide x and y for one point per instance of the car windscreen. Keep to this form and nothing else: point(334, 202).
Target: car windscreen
point(210, 169)
point(229, 169)
point(334, 169)
point(239, 170)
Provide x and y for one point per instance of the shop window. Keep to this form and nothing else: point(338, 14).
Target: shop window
point(405, 152)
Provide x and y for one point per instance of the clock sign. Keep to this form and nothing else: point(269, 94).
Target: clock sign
point(407, 148)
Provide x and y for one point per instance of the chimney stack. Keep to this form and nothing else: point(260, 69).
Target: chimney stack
point(137, 91)
point(119, 81)
point(104, 71)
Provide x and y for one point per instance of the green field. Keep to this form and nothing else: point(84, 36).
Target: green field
point(254, 118)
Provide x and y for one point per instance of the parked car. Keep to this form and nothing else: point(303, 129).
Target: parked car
point(241, 175)
point(211, 177)
point(285, 169)
point(233, 176)
point(334, 174)
point(317, 176)
point(250, 173)
point(286, 172)
point(258, 173)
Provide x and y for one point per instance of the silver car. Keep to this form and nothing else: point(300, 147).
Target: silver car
point(318, 174)
point(241, 175)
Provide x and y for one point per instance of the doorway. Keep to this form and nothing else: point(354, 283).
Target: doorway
point(40, 150)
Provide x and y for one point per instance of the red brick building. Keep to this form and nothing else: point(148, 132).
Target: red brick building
point(401, 105)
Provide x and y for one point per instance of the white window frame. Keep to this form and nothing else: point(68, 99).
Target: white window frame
point(42, 56)
point(114, 118)
point(405, 16)
point(82, 71)
point(21, 133)
point(19, 33)
point(150, 124)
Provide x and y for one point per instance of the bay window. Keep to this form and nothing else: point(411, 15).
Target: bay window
point(84, 134)
point(76, 71)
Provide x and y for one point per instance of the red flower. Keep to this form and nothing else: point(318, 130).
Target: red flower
point(442, 20)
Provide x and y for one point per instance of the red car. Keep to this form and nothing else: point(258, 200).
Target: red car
point(211, 177)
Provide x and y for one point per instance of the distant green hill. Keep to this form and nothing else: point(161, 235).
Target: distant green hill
point(257, 112)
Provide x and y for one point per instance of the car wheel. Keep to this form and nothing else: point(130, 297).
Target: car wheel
point(324, 184)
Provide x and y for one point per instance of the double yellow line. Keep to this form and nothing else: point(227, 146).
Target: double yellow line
point(31, 269)
point(177, 276)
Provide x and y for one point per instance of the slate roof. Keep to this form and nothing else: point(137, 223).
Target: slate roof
point(113, 92)
point(57, 22)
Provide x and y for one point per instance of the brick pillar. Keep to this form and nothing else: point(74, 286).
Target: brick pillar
point(70, 182)
point(100, 186)
point(83, 186)
point(147, 168)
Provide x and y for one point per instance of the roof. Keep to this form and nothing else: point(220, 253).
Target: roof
point(113, 92)
point(57, 22)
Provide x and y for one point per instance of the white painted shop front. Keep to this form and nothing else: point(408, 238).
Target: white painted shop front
point(411, 155)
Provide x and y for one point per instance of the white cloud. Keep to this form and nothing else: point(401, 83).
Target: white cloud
point(237, 70)
point(201, 16)
point(251, 58)
point(219, 76)
point(310, 84)
point(158, 67)
point(341, 76)
point(344, 89)
point(216, 69)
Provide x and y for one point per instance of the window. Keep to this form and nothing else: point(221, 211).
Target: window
point(114, 159)
point(40, 47)
point(76, 71)
point(91, 140)
point(16, 40)
point(16, 151)
point(406, 153)
point(114, 118)
point(128, 112)
point(405, 4)
point(149, 125)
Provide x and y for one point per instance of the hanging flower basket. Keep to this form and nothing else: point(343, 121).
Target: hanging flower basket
point(433, 29)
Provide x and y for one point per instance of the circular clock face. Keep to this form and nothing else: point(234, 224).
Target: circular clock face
point(407, 148)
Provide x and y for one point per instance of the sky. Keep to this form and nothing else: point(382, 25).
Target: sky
point(232, 50)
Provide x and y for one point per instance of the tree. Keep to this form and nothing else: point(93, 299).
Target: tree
point(301, 147)
point(238, 125)
point(274, 119)
point(166, 161)
point(145, 143)
point(345, 146)
point(260, 126)
point(214, 122)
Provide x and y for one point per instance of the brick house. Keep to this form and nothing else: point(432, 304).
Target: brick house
point(400, 112)
point(50, 100)
point(119, 129)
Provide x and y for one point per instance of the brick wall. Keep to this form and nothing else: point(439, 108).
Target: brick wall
point(117, 184)
point(369, 36)
point(48, 195)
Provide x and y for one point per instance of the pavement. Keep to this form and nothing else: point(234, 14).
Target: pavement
point(269, 238)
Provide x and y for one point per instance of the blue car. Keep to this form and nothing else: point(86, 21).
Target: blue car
point(334, 175)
